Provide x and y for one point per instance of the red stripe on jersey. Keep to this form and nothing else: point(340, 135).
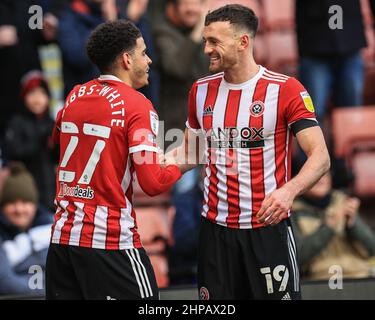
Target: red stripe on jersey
point(233, 189)
point(87, 231)
point(58, 215)
point(136, 239)
point(256, 157)
point(280, 146)
point(68, 225)
point(113, 229)
point(213, 200)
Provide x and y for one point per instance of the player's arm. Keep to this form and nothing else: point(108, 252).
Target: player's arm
point(152, 178)
point(143, 127)
point(191, 152)
point(277, 204)
point(300, 118)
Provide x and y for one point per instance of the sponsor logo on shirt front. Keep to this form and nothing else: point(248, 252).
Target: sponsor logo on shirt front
point(77, 191)
point(236, 138)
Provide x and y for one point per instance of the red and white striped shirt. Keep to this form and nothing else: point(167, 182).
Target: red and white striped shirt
point(247, 128)
point(102, 123)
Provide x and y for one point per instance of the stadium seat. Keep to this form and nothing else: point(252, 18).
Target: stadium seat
point(351, 126)
point(282, 51)
point(363, 166)
point(155, 230)
point(260, 50)
point(353, 131)
point(278, 15)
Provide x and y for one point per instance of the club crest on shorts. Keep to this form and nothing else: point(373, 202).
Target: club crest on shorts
point(204, 294)
point(257, 108)
point(154, 123)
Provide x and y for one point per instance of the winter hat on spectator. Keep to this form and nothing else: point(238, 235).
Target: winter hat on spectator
point(31, 80)
point(19, 185)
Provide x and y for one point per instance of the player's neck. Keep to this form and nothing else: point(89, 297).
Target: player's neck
point(124, 77)
point(241, 72)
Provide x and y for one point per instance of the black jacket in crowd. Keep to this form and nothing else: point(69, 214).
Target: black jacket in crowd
point(28, 140)
point(314, 36)
point(18, 59)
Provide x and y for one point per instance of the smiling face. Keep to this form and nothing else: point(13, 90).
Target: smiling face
point(140, 65)
point(222, 44)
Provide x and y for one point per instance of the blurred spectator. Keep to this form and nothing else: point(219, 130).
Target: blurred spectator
point(24, 233)
point(76, 22)
point(56, 7)
point(28, 136)
point(329, 231)
point(18, 53)
point(179, 45)
point(136, 11)
point(330, 59)
point(156, 12)
point(187, 198)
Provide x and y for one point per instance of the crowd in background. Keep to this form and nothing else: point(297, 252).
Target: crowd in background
point(331, 64)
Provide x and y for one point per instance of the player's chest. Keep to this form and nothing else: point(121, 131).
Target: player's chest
point(241, 119)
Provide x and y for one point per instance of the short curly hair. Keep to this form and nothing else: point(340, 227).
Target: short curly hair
point(237, 15)
point(109, 40)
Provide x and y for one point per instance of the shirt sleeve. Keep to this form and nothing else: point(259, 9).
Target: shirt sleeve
point(154, 179)
point(57, 128)
point(297, 102)
point(192, 122)
point(143, 127)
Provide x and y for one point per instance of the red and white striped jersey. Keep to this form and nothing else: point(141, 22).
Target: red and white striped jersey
point(102, 123)
point(248, 140)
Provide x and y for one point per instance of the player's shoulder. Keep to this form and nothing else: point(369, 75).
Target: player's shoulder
point(213, 78)
point(286, 83)
point(275, 77)
point(136, 100)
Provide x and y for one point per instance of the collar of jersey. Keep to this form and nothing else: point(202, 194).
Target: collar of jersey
point(246, 83)
point(110, 77)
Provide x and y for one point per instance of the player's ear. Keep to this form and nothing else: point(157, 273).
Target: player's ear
point(244, 41)
point(126, 60)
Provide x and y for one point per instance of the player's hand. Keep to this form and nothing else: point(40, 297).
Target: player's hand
point(161, 158)
point(351, 210)
point(275, 206)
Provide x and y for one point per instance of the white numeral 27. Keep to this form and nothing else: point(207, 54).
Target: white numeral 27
point(88, 129)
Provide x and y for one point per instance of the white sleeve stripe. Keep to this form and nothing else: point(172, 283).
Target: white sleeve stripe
point(143, 147)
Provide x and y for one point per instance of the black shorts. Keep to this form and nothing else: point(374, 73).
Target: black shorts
point(85, 273)
point(247, 263)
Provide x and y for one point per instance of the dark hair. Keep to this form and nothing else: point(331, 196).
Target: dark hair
point(236, 14)
point(109, 40)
